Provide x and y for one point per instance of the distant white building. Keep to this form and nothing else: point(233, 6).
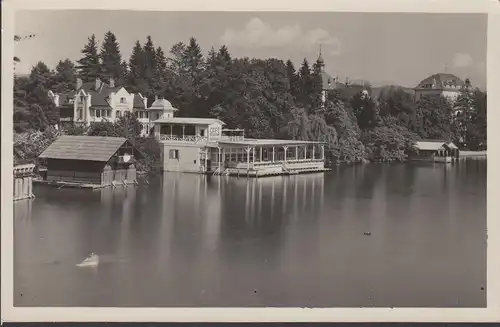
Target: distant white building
point(437, 85)
point(98, 101)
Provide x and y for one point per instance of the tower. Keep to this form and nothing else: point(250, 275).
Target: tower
point(320, 62)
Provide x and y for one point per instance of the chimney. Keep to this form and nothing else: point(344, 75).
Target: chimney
point(97, 83)
point(111, 82)
point(79, 83)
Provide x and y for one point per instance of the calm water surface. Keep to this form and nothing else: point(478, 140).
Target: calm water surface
point(191, 240)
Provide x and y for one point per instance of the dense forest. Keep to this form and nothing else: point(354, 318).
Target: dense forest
point(269, 98)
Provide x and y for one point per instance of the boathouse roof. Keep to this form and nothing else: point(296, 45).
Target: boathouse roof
point(89, 148)
point(433, 145)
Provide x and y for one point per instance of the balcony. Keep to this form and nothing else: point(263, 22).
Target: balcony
point(193, 139)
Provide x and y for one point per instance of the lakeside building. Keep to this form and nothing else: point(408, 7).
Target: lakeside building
point(203, 145)
point(436, 151)
point(93, 161)
point(23, 182)
point(98, 101)
point(437, 85)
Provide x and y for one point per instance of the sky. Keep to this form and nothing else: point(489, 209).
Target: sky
point(383, 48)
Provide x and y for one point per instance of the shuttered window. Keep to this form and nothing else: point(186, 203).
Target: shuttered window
point(173, 154)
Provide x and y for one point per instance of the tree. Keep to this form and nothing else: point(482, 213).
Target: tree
point(111, 58)
point(89, 67)
point(433, 118)
point(137, 67)
point(162, 72)
point(470, 118)
point(65, 77)
point(175, 60)
point(304, 83)
point(395, 102)
point(388, 141)
point(365, 111)
point(41, 75)
point(150, 64)
point(192, 58)
point(293, 78)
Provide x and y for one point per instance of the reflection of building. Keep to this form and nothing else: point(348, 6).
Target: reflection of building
point(94, 160)
point(203, 145)
point(437, 85)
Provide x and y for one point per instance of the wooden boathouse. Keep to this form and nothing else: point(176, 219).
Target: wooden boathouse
point(90, 161)
point(435, 151)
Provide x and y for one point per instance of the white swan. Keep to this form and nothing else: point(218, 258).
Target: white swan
point(91, 261)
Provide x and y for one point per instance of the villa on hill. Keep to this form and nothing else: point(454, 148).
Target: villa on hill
point(441, 84)
point(98, 101)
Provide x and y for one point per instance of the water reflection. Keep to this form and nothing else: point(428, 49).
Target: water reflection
point(194, 240)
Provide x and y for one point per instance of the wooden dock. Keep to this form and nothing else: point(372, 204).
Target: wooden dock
point(61, 184)
point(472, 154)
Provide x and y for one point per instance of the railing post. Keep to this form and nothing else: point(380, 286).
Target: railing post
point(273, 153)
point(296, 152)
point(322, 151)
point(285, 148)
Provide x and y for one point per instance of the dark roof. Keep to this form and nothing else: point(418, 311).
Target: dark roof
point(100, 96)
point(90, 148)
point(441, 81)
point(138, 103)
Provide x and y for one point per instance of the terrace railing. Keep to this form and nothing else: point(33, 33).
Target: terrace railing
point(243, 165)
point(232, 138)
point(185, 139)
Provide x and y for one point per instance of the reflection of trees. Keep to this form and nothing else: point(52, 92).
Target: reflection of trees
point(366, 177)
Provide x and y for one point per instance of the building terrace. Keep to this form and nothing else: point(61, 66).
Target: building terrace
point(203, 145)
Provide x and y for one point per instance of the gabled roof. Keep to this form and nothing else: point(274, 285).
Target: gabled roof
point(441, 81)
point(100, 96)
point(89, 148)
point(434, 145)
point(138, 103)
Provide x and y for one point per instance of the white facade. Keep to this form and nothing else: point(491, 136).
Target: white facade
point(98, 102)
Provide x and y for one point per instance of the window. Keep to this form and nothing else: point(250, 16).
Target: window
point(98, 113)
point(81, 98)
point(158, 115)
point(118, 114)
point(194, 161)
point(80, 114)
point(123, 100)
point(92, 112)
point(173, 154)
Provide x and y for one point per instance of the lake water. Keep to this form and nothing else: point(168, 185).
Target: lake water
point(192, 240)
